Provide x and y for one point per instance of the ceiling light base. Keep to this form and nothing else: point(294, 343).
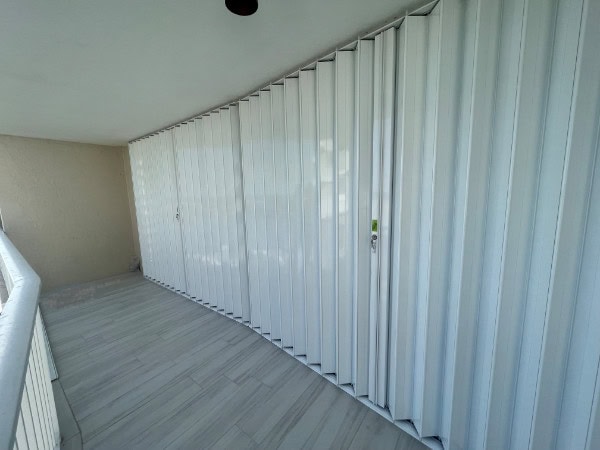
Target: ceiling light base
point(242, 7)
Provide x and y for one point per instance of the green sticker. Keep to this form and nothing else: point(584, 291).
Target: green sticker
point(374, 225)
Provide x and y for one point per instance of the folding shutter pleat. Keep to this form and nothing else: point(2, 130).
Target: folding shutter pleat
point(270, 218)
point(362, 202)
point(296, 212)
point(344, 211)
point(310, 181)
point(281, 194)
point(328, 214)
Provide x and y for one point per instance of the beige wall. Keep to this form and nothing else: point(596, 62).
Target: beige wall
point(65, 206)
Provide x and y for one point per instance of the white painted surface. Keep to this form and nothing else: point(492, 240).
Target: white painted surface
point(250, 213)
point(328, 213)
point(310, 182)
point(410, 106)
point(296, 212)
point(108, 72)
point(471, 135)
point(272, 296)
point(155, 188)
point(281, 219)
point(27, 407)
point(362, 201)
point(244, 301)
point(345, 212)
point(37, 425)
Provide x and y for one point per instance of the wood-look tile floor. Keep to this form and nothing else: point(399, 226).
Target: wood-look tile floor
point(142, 367)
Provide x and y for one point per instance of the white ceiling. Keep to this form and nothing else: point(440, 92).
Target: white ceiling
point(107, 71)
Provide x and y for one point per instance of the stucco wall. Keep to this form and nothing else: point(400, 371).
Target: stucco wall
point(65, 206)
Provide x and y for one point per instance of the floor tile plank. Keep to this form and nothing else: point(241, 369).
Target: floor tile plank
point(142, 367)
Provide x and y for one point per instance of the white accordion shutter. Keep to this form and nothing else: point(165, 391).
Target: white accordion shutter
point(414, 216)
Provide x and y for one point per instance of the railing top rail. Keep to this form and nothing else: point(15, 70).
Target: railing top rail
point(17, 320)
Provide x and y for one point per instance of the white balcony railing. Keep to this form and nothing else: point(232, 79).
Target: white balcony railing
point(28, 417)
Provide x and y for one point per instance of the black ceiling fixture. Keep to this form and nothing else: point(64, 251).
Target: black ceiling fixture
point(242, 7)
